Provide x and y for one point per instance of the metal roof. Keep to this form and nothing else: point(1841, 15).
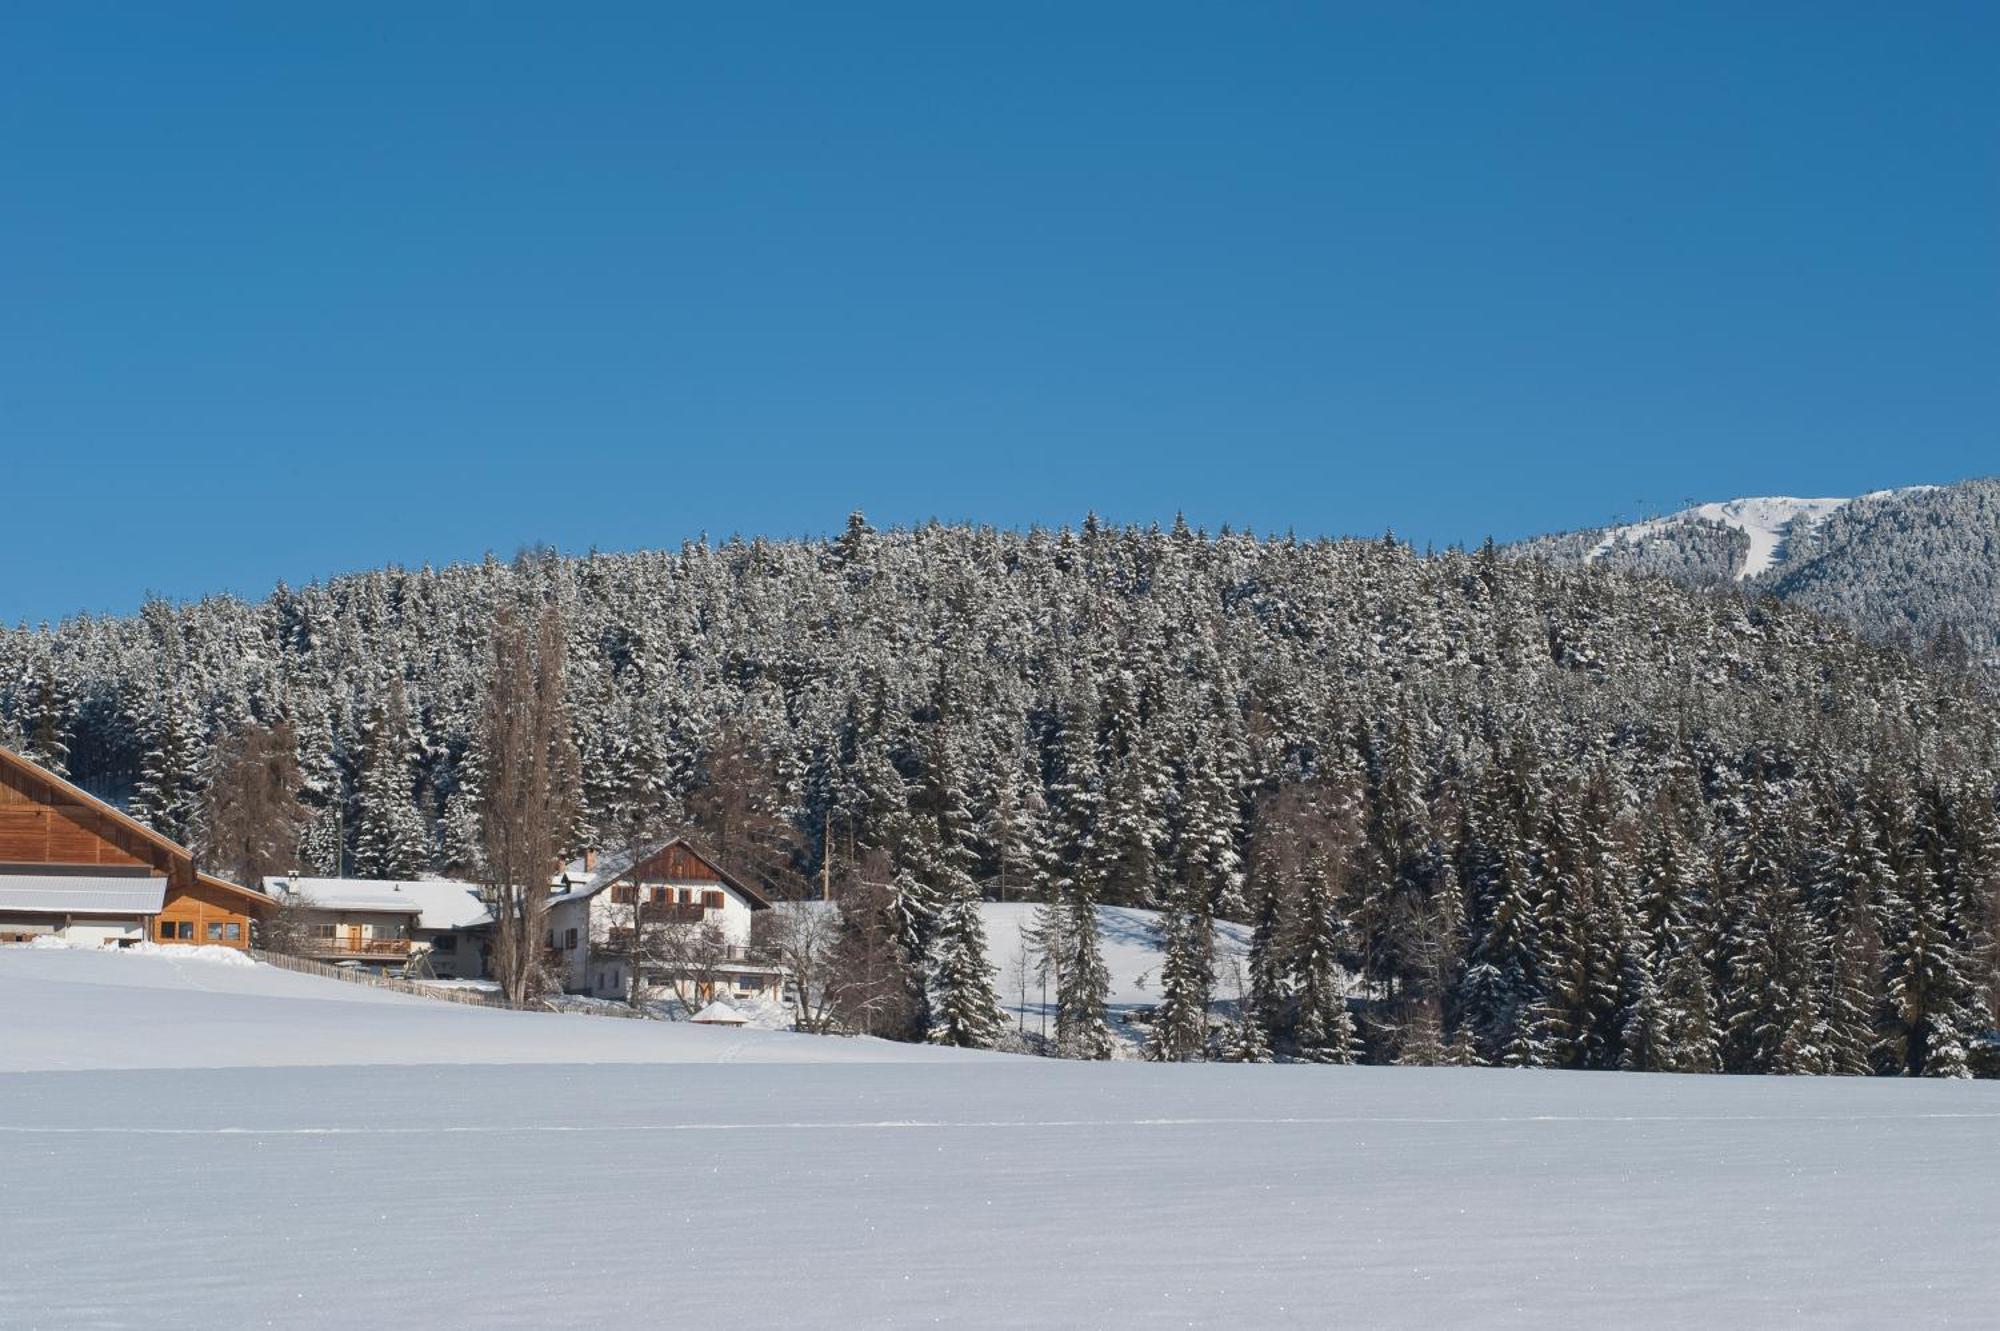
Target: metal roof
point(81, 894)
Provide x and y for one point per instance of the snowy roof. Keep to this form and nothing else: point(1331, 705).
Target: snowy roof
point(578, 880)
point(720, 1013)
point(439, 903)
point(82, 894)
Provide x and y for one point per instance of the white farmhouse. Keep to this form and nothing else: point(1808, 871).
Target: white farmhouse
point(669, 910)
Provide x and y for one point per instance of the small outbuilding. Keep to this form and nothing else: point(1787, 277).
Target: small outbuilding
point(719, 1013)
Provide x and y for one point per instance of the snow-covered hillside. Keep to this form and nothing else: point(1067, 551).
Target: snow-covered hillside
point(1912, 563)
point(1774, 526)
point(130, 1010)
point(1767, 522)
point(584, 1171)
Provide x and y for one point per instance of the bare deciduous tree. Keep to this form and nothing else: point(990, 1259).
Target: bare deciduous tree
point(251, 816)
point(288, 928)
point(530, 791)
point(737, 813)
point(871, 986)
point(806, 937)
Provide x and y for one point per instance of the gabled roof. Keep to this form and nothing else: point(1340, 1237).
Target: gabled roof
point(439, 903)
point(179, 857)
point(719, 1013)
point(615, 866)
point(35, 772)
point(249, 897)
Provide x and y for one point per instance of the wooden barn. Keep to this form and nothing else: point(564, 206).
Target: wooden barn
point(75, 867)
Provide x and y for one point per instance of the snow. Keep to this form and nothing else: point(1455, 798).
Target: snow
point(190, 1011)
point(1763, 520)
point(1767, 521)
point(1132, 955)
point(441, 903)
point(533, 1171)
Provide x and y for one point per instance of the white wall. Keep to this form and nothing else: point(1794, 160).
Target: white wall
point(596, 916)
point(106, 932)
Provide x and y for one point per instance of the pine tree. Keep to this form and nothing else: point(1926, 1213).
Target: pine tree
point(1932, 1002)
point(167, 797)
point(1767, 944)
point(1067, 917)
point(1324, 1030)
point(44, 717)
point(391, 841)
point(1187, 976)
point(963, 1008)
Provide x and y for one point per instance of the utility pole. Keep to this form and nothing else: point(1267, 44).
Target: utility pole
point(826, 854)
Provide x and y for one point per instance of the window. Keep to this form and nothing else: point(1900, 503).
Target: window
point(748, 983)
point(233, 932)
point(215, 931)
point(445, 943)
point(569, 940)
point(186, 930)
point(166, 931)
point(624, 895)
point(712, 900)
point(661, 895)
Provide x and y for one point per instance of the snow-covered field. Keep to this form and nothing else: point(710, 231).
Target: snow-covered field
point(241, 1146)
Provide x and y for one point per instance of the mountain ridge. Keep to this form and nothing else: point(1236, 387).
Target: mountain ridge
point(1918, 565)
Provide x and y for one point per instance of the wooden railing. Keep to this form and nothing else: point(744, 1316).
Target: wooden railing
point(339, 946)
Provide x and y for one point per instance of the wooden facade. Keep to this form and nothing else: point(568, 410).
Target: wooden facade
point(45, 822)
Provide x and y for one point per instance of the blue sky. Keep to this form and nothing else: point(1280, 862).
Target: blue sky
point(291, 290)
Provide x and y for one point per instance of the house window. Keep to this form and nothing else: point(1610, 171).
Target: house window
point(624, 895)
point(215, 931)
point(166, 931)
point(233, 932)
point(569, 940)
point(661, 895)
point(186, 931)
point(445, 943)
point(712, 900)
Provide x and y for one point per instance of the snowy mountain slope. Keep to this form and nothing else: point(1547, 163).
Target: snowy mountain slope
point(1912, 561)
point(1770, 525)
point(522, 1186)
point(1766, 523)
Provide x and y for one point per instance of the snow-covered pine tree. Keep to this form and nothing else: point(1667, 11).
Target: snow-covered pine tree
point(963, 1008)
point(167, 795)
point(43, 715)
point(391, 838)
point(1932, 1002)
point(1767, 948)
point(1324, 1030)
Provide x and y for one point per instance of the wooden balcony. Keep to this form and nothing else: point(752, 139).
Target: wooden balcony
point(348, 948)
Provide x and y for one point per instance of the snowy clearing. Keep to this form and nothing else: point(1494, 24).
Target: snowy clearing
point(973, 1191)
point(1132, 954)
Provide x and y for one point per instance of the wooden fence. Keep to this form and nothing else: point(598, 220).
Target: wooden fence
point(355, 975)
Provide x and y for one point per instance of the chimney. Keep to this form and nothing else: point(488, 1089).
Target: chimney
point(590, 861)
